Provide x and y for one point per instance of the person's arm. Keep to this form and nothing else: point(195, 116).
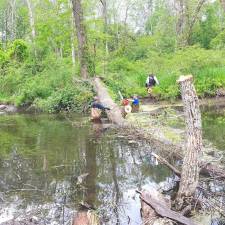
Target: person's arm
point(156, 80)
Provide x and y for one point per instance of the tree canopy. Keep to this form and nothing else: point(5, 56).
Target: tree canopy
point(41, 44)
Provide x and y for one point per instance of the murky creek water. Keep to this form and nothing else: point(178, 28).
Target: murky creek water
point(42, 156)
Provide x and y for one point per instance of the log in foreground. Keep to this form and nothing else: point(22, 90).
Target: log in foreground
point(156, 210)
point(114, 114)
point(86, 218)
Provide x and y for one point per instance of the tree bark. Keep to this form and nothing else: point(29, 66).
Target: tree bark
point(115, 114)
point(81, 37)
point(191, 162)
point(32, 23)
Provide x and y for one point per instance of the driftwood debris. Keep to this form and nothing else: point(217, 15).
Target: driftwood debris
point(193, 147)
point(156, 210)
point(165, 162)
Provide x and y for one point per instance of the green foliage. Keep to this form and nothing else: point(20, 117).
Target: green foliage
point(19, 50)
point(3, 59)
point(219, 41)
point(70, 98)
point(207, 67)
point(208, 27)
point(50, 90)
point(38, 70)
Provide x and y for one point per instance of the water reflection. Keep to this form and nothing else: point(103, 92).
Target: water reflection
point(41, 158)
point(214, 126)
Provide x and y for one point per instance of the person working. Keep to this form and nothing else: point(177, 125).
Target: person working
point(151, 81)
point(97, 105)
point(96, 109)
point(135, 104)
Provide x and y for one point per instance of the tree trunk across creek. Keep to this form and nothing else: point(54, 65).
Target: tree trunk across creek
point(159, 208)
point(114, 114)
point(194, 144)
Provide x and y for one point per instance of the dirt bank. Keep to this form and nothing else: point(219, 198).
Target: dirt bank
point(7, 109)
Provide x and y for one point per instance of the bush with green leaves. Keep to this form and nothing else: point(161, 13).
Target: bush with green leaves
point(19, 50)
point(207, 67)
point(51, 90)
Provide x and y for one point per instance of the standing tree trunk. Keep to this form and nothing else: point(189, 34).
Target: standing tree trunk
point(223, 4)
point(194, 19)
point(81, 37)
point(12, 10)
point(73, 51)
point(190, 168)
point(72, 37)
point(31, 19)
point(32, 24)
point(105, 18)
point(105, 15)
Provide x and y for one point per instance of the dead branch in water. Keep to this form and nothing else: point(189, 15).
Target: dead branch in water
point(165, 162)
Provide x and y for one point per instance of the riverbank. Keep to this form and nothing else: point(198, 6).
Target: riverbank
point(7, 109)
point(164, 123)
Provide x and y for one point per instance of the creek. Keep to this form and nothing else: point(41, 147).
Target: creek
point(42, 157)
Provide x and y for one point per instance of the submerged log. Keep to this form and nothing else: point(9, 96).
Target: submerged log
point(114, 114)
point(191, 162)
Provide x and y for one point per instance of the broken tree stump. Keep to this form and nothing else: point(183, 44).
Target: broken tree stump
point(191, 163)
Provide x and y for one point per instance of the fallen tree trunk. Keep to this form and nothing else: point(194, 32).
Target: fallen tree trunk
point(114, 114)
point(163, 210)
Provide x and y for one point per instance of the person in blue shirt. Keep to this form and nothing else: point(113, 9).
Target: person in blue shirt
point(135, 103)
